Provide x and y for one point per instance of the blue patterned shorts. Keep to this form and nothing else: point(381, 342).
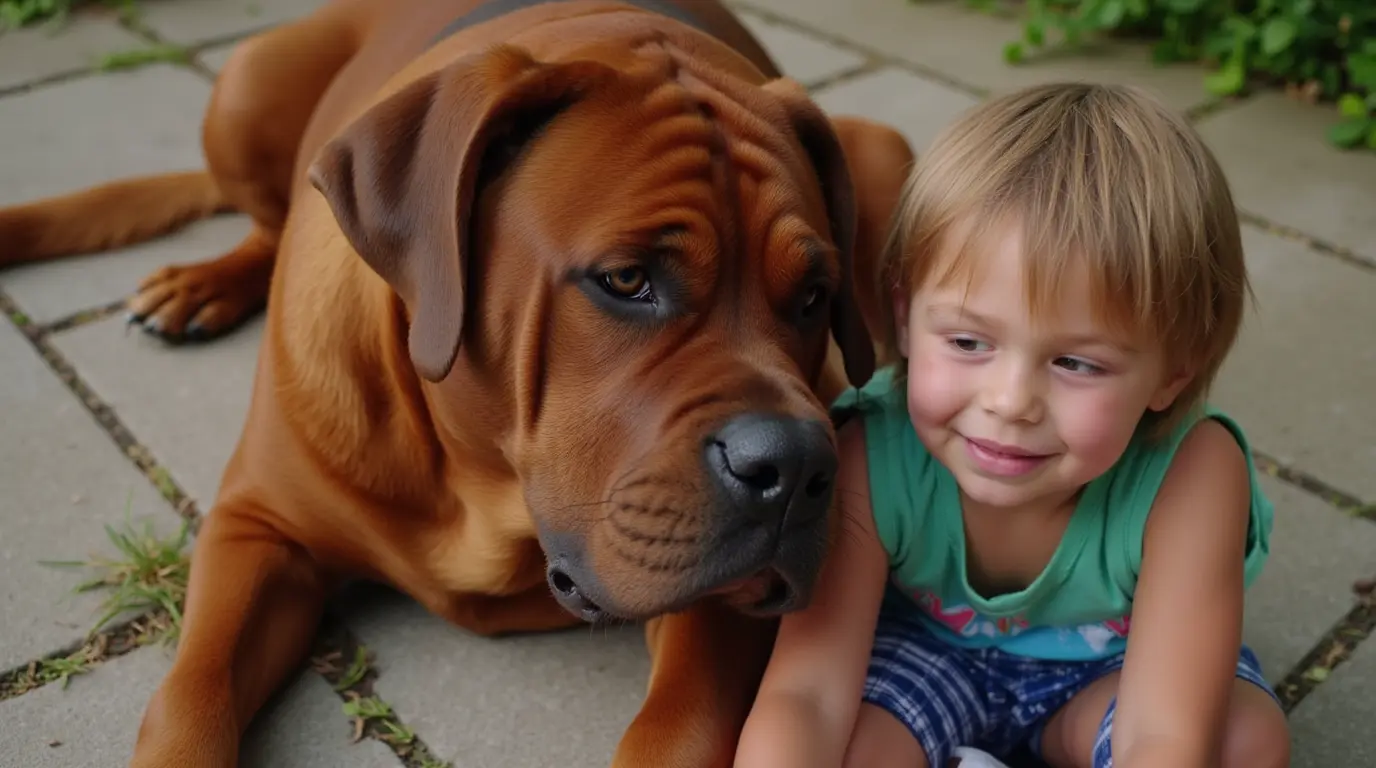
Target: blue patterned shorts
point(988, 699)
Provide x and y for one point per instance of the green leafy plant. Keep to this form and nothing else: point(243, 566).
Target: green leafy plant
point(1319, 50)
point(24, 13)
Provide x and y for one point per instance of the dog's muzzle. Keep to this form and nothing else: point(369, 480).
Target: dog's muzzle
point(771, 480)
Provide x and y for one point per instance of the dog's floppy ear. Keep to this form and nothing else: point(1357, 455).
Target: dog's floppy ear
point(401, 179)
point(815, 133)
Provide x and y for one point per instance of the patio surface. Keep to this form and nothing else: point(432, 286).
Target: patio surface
point(98, 421)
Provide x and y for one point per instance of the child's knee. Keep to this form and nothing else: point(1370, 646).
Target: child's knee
point(879, 740)
point(1258, 735)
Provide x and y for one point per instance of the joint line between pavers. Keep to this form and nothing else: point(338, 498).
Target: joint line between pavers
point(81, 317)
point(1316, 244)
point(347, 666)
point(875, 58)
point(83, 655)
point(844, 76)
point(104, 415)
point(1298, 478)
point(1328, 654)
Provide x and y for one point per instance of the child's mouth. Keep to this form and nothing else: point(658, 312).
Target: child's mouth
point(1002, 460)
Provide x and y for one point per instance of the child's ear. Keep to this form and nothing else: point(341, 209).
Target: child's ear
point(901, 306)
point(1171, 389)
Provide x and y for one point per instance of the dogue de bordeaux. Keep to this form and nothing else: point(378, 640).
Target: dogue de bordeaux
point(559, 294)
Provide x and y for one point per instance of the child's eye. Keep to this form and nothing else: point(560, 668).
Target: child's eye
point(1076, 365)
point(967, 344)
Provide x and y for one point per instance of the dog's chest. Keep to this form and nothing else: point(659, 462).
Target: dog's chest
point(489, 547)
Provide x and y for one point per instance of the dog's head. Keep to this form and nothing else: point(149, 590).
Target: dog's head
point(648, 269)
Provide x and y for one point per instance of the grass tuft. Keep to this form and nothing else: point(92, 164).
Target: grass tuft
point(148, 577)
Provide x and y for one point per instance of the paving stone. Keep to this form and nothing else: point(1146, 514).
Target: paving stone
point(801, 57)
point(1299, 377)
point(46, 50)
point(304, 726)
point(199, 21)
point(1306, 586)
point(186, 404)
point(918, 108)
point(215, 58)
point(1332, 726)
point(1282, 168)
point(64, 479)
point(95, 721)
point(100, 128)
point(471, 698)
point(51, 290)
point(967, 46)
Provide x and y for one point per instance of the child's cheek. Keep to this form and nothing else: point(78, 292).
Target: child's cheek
point(1097, 428)
point(934, 386)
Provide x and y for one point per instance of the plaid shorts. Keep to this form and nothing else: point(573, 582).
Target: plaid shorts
point(991, 700)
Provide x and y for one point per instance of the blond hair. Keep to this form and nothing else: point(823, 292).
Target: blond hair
point(1097, 177)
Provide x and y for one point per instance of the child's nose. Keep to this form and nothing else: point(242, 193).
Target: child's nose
point(1013, 393)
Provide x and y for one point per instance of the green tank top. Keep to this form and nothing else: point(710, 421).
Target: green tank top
point(1079, 607)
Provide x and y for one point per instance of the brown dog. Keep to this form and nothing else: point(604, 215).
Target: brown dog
point(554, 294)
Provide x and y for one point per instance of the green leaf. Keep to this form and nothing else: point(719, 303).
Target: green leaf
point(1318, 674)
point(1371, 136)
point(1349, 133)
point(1352, 105)
point(1111, 13)
point(1228, 80)
point(1034, 32)
point(1277, 35)
point(1362, 68)
point(1012, 52)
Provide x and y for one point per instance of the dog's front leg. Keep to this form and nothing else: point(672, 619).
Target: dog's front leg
point(254, 601)
point(706, 665)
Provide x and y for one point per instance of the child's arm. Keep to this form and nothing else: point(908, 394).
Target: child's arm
point(810, 694)
point(1177, 677)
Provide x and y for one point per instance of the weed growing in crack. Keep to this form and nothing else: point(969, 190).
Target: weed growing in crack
point(148, 578)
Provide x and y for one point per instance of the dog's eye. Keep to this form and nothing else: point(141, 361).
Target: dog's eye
point(815, 297)
point(628, 283)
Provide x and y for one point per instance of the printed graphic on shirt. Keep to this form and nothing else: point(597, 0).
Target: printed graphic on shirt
point(965, 626)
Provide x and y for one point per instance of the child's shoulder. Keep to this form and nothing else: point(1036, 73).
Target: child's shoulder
point(1205, 462)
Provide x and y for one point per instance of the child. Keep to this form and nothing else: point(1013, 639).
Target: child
point(1039, 471)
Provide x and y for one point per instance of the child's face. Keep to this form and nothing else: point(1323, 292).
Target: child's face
point(1022, 411)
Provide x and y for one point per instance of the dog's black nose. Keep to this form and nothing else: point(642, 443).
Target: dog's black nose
point(776, 469)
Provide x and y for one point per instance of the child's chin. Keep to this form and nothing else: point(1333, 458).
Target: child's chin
point(993, 493)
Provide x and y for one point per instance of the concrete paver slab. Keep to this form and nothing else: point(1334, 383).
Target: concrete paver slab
point(1282, 168)
point(538, 700)
point(186, 404)
point(44, 51)
point(1295, 378)
point(63, 480)
point(801, 57)
point(1316, 554)
point(198, 21)
point(947, 37)
point(918, 108)
point(96, 129)
point(215, 58)
point(95, 721)
point(1333, 726)
point(52, 290)
point(304, 726)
